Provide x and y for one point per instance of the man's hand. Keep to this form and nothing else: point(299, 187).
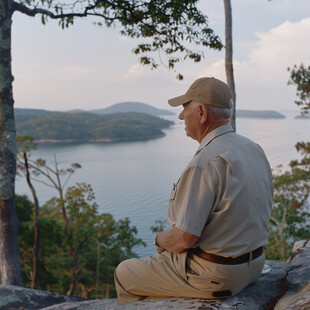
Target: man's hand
point(175, 240)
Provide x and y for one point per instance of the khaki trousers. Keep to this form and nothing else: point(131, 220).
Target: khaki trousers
point(182, 275)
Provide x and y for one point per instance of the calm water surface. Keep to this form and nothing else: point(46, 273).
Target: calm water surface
point(134, 179)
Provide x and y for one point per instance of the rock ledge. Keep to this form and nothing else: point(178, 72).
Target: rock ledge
point(284, 286)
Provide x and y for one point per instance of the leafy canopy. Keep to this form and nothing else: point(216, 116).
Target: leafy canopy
point(300, 77)
point(168, 26)
point(290, 218)
point(101, 241)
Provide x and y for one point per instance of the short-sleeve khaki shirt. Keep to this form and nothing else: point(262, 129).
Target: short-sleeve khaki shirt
point(224, 196)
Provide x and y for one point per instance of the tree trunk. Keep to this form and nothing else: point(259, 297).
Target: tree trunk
point(68, 234)
point(229, 57)
point(36, 225)
point(10, 270)
point(97, 265)
point(73, 272)
point(72, 252)
point(107, 293)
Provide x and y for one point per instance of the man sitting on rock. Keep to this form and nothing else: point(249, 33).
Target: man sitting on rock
point(218, 210)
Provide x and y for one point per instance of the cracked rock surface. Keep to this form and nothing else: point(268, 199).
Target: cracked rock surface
point(19, 298)
point(285, 286)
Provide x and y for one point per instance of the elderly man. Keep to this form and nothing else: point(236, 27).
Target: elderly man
point(219, 210)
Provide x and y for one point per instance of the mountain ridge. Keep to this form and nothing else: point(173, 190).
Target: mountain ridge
point(128, 106)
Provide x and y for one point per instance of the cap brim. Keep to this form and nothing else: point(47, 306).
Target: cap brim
point(175, 102)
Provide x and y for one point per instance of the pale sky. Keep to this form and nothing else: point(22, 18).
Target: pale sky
point(89, 67)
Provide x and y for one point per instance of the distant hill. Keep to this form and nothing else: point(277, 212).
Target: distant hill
point(259, 114)
point(22, 115)
point(130, 106)
point(77, 111)
point(83, 126)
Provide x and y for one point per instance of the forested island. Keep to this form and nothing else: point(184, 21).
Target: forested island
point(259, 114)
point(48, 126)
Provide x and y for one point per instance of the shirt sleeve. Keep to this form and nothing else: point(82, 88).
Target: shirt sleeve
point(195, 198)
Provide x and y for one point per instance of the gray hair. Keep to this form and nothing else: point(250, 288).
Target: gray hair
point(223, 112)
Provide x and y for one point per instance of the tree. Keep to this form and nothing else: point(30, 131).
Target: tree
point(114, 242)
point(300, 77)
point(24, 209)
point(53, 178)
point(290, 218)
point(26, 144)
point(229, 58)
point(166, 25)
point(51, 237)
point(78, 222)
point(100, 243)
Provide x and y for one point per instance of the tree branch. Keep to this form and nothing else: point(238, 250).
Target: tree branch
point(167, 23)
point(33, 12)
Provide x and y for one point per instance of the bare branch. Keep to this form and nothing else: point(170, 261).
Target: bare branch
point(46, 174)
point(42, 182)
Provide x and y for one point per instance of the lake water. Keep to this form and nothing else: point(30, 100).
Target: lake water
point(134, 179)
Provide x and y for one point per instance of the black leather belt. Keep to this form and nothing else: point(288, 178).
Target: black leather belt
point(227, 260)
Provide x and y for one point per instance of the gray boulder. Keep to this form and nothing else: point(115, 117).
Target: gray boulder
point(17, 298)
point(282, 286)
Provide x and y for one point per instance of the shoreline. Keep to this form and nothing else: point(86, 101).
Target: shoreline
point(101, 140)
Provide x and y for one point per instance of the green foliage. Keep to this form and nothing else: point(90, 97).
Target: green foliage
point(169, 27)
point(89, 126)
point(102, 242)
point(160, 225)
point(24, 209)
point(300, 77)
point(25, 144)
point(51, 237)
point(290, 218)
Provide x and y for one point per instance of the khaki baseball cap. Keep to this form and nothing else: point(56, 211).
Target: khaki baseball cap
point(206, 90)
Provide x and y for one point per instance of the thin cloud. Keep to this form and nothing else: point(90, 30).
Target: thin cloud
point(138, 71)
point(274, 51)
point(135, 71)
point(263, 76)
point(75, 73)
point(282, 46)
point(217, 69)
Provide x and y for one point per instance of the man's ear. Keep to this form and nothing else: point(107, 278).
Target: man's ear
point(203, 112)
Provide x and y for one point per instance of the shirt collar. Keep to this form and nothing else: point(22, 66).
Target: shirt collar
point(214, 134)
